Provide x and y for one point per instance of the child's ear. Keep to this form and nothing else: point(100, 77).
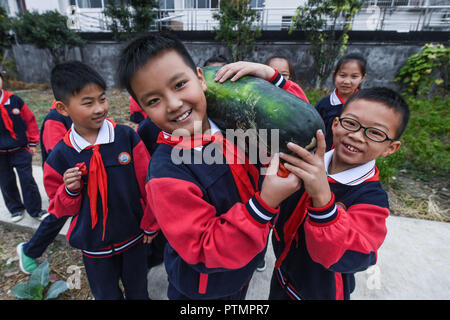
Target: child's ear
point(61, 108)
point(201, 78)
point(335, 123)
point(392, 148)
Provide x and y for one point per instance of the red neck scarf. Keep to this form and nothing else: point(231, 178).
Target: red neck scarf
point(291, 226)
point(342, 99)
point(5, 116)
point(97, 182)
point(235, 158)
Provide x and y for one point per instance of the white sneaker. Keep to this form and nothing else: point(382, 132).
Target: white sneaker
point(16, 216)
point(42, 215)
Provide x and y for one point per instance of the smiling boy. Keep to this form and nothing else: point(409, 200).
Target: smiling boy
point(96, 174)
point(214, 216)
point(335, 224)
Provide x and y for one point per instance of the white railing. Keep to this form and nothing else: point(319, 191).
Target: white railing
point(409, 17)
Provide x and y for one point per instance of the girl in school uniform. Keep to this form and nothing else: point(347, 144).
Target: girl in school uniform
point(348, 75)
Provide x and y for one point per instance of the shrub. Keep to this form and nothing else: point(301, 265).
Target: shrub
point(47, 31)
point(425, 151)
point(426, 72)
point(236, 30)
point(125, 20)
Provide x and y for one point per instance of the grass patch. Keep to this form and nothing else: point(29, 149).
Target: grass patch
point(424, 153)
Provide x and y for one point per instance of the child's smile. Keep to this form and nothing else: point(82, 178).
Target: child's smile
point(172, 94)
point(353, 148)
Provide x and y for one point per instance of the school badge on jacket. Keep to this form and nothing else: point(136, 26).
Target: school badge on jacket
point(124, 158)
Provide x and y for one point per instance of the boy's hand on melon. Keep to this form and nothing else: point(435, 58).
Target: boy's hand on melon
point(310, 168)
point(237, 70)
point(275, 188)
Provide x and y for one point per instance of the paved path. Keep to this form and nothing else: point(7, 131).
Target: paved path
point(413, 262)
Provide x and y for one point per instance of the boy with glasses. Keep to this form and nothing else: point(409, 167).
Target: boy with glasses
point(335, 224)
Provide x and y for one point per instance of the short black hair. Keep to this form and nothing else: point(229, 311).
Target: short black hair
point(351, 57)
point(69, 78)
point(291, 68)
point(137, 53)
point(216, 59)
point(387, 97)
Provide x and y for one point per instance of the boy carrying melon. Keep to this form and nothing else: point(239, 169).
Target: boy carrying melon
point(216, 217)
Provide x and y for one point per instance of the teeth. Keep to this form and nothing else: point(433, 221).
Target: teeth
point(351, 148)
point(183, 116)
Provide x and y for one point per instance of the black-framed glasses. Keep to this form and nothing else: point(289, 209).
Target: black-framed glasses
point(371, 133)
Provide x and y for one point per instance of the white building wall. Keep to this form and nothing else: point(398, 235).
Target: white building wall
point(42, 6)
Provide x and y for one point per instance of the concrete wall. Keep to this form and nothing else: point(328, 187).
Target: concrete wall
point(384, 59)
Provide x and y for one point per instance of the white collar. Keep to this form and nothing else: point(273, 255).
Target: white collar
point(334, 99)
point(353, 176)
point(105, 135)
point(213, 128)
point(1, 98)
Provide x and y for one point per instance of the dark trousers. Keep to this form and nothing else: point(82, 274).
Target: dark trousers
point(21, 160)
point(129, 266)
point(174, 294)
point(44, 236)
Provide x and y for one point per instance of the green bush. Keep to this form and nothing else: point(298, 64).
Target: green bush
point(130, 17)
point(425, 150)
point(427, 71)
point(47, 31)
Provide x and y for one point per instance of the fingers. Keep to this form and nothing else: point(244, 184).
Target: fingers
point(273, 165)
point(321, 144)
point(235, 71)
point(72, 178)
point(148, 239)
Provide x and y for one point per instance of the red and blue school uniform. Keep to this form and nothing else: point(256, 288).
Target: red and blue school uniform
point(215, 222)
point(18, 131)
point(318, 250)
point(107, 211)
point(136, 112)
point(211, 213)
point(288, 85)
point(148, 132)
point(53, 130)
point(329, 108)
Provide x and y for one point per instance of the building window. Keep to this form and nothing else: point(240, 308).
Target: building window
point(21, 6)
point(257, 3)
point(201, 4)
point(166, 4)
point(88, 3)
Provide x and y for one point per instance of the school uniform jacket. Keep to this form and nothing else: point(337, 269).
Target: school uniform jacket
point(333, 242)
point(329, 108)
point(125, 160)
point(53, 130)
point(24, 130)
point(215, 222)
point(136, 112)
point(148, 132)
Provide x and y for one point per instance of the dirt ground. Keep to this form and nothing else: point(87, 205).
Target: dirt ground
point(64, 265)
point(408, 197)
